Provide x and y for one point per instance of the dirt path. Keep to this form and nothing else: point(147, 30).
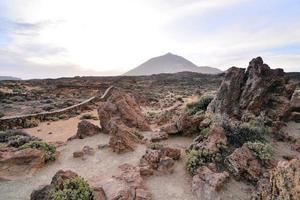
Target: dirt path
point(60, 130)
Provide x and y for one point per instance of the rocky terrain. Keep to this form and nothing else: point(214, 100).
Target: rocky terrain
point(178, 136)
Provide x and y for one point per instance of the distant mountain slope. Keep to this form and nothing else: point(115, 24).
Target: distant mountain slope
point(4, 78)
point(169, 63)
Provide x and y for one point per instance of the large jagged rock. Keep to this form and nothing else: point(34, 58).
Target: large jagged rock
point(257, 91)
point(284, 183)
point(122, 137)
point(207, 183)
point(86, 129)
point(16, 163)
point(243, 164)
point(160, 160)
point(122, 106)
point(185, 124)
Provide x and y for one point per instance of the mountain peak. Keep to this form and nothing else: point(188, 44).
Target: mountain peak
point(169, 63)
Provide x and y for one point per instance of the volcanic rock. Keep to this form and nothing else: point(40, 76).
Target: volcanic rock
point(15, 164)
point(160, 160)
point(122, 137)
point(257, 91)
point(122, 106)
point(207, 183)
point(284, 182)
point(185, 124)
point(86, 129)
point(243, 164)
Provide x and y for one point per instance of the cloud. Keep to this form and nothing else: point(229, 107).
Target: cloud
point(67, 37)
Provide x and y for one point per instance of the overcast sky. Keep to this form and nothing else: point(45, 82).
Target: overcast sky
point(52, 38)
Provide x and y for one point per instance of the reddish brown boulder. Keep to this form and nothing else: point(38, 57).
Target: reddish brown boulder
point(159, 136)
point(122, 137)
point(207, 183)
point(284, 182)
point(127, 184)
point(243, 164)
point(16, 164)
point(122, 106)
point(161, 160)
point(257, 91)
point(215, 140)
point(185, 124)
point(61, 176)
point(86, 129)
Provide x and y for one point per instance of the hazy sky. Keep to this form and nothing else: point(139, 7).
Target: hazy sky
point(51, 38)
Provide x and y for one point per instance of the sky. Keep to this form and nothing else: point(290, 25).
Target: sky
point(54, 38)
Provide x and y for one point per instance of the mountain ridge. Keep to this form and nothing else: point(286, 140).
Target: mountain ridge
point(169, 63)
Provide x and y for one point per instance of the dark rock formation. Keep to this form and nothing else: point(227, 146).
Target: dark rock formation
point(257, 91)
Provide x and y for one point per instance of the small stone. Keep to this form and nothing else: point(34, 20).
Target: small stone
point(78, 154)
point(88, 150)
point(102, 146)
point(50, 133)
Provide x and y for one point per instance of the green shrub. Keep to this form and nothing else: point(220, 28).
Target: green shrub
point(30, 123)
point(73, 189)
point(156, 146)
point(205, 131)
point(246, 132)
point(200, 105)
point(48, 149)
point(264, 151)
point(88, 116)
point(1, 114)
point(193, 161)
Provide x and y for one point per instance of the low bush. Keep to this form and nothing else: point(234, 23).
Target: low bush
point(30, 123)
point(73, 189)
point(156, 146)
point(1, 114)
point(264, 151)
point(239, 134)
point(193, 161)
point(88, 116)
point(200, 105)
point(48, 149)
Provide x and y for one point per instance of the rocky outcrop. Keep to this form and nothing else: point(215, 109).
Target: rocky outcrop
point(243, 164)
point(185, 124)
point(86, 129)
point(16, 164)
point(207, 183)
point(160, 160)
point(122, 137)
point(259, 90)
point(284, 182)
point(123, 107)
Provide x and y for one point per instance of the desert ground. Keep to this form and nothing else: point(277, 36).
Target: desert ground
point(183, 136)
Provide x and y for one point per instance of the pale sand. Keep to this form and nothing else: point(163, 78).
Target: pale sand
point(61, 130)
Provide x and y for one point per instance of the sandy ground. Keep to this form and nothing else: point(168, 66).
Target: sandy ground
point(60, 130)
point(176, 186)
